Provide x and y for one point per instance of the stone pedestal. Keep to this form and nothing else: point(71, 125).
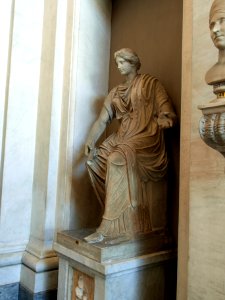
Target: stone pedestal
point(141, 269)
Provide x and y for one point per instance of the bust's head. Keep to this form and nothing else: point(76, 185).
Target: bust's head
point(128, 55)
point(217, 23)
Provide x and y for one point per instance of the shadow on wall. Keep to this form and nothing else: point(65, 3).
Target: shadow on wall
point(172, 138)
point(85, 208)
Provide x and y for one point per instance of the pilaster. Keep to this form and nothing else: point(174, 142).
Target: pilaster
point(20, 22)
point(40, 263)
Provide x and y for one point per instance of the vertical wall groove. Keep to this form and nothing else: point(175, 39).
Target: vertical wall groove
point(4, 126)
point(185, 159)
point(65, 161)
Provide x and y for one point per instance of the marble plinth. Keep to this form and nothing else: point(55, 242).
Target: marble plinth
point(88, 269)
point(113, 249)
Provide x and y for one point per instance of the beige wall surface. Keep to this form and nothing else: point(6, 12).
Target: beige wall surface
point(207, 189)
point(202, 170)
point(154, 30)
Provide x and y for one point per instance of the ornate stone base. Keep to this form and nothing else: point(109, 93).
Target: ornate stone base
point(39, 275)
point(212, 124)
point(135, 269)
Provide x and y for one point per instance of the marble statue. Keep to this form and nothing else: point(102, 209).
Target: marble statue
point(217, 29)
point(121, 167)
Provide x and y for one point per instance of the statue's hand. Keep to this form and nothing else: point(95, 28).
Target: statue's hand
point(87, 149)
point(165, 120)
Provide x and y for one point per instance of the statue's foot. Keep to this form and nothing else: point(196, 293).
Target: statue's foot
point(118, 239)
point(95, 237)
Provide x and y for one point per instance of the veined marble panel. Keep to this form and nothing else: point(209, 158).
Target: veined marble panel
point(21, 121)
point(6, 20)
point(19, 86)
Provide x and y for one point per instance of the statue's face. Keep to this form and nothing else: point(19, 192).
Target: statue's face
point(217, 29)
point(124, 66)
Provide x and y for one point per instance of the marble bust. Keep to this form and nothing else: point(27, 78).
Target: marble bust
point(217, 29)
point(211, 126)
point(123, 165)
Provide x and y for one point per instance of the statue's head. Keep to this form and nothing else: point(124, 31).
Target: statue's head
point(129, 56)
point(217, 23)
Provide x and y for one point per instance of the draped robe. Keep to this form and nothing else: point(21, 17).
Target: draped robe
point(120, 180)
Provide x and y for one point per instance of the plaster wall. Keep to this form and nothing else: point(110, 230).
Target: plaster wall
point(202, 208)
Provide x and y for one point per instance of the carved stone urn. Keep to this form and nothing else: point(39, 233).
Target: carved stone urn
point(212, 123)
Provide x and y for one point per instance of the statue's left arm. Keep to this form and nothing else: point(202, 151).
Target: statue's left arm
point(166, 116)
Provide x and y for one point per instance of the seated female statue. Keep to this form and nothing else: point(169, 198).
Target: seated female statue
point(133, 155)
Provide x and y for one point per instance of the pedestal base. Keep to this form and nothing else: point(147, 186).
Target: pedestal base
point(39, 275)
point(90, 276)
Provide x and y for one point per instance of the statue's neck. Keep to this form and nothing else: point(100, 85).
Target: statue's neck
point(130, 77)
point(221, 59)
